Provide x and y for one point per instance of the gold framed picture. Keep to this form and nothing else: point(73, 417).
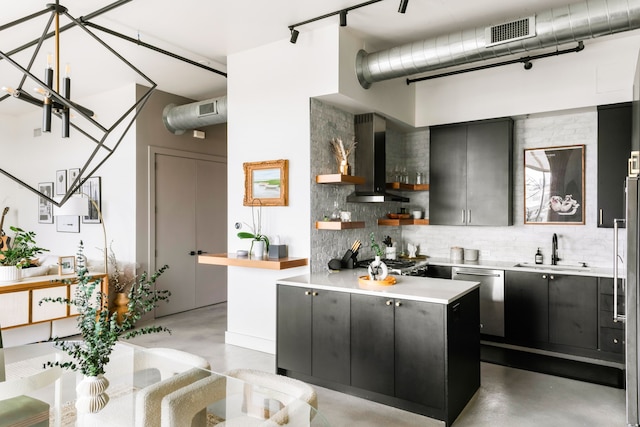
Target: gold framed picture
point(66, 265)
point(266, 183)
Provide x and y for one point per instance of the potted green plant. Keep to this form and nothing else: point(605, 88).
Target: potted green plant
point(256, 235)
point(19, 255)
point(100, 329)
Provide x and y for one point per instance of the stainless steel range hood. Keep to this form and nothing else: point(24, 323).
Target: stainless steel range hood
point(370, 159)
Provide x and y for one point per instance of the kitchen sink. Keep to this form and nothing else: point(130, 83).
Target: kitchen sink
point(548, 267)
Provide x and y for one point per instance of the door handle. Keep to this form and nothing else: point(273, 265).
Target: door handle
point(616, 316)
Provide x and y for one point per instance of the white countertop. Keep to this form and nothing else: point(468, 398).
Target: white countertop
point(440, 291)
point(572, 269)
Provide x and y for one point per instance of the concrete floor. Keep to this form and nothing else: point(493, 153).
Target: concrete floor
point(507, 397)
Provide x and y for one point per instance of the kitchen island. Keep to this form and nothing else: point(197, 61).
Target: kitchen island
point(414, 345)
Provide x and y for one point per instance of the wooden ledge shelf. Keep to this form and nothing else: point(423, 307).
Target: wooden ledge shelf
point(396, 222)
point(339, 179)
point(407, 187)
point(266, 263)
point(338, 225)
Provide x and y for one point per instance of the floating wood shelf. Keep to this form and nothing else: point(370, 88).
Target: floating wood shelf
point(338, 225)
point(397, 222)
point(266, 263)
point(407, 187)
point(339, 179)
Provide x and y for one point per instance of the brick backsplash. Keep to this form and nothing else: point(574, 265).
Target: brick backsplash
point(517, 243)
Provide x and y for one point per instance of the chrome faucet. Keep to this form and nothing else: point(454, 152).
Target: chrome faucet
point(554, 250)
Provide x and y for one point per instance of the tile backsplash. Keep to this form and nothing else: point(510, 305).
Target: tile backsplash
point(517, 243)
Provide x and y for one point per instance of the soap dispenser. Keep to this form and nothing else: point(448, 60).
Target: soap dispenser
point(538, 257)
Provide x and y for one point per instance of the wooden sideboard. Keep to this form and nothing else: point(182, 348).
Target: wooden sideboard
point(22, 314)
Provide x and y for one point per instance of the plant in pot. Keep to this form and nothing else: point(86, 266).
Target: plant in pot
point(121, 277)
point(19, 255)
point(100, 329)
point(256, 235)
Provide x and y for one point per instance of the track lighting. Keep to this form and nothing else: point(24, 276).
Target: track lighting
point(403, 6)
point(343, 17)
point(294, 35)
point(528, 65)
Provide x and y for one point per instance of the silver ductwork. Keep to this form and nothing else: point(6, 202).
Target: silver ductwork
point(574, 22)
point(178, 119)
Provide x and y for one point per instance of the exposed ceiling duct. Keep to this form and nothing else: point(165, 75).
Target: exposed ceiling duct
point(178, 119)
point(565, 24)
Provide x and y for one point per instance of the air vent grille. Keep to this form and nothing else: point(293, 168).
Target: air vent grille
point(510, 31)
point(206, 109)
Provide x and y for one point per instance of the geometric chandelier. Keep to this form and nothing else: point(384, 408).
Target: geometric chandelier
point(28, 80)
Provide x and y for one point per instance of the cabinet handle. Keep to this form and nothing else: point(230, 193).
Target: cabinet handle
point(551, 277)
point(615, 340)
point(389, 302)
point(544, 276)
point(307, 292)
point(315, 294)
point(463, 216)
point(469, 217)
point(398, 304)
point(600, 216)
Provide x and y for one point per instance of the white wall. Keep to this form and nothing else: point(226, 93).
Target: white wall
point(39, 163)
point(601, 74)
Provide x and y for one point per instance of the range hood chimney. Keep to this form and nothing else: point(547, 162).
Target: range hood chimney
point(370, 159)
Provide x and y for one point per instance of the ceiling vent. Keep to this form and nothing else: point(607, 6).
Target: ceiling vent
point(510, 31)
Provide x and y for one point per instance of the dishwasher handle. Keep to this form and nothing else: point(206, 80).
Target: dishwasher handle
point(477, 273)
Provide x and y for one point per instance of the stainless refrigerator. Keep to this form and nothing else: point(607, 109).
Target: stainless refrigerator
point(630, 318)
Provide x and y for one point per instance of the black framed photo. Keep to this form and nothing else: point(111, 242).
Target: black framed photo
point(61, 182)
point(45, 207)
point(92, 188)
point(554, 185)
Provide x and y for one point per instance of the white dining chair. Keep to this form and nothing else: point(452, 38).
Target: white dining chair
point(18, 409)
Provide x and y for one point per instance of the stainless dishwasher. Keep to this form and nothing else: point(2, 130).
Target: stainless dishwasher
point(491, 296)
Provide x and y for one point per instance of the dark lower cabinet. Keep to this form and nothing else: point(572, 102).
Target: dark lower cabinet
point(611, 339)
point(313, 333)
point(419, 356)
point(526, 311)
point(573, 311)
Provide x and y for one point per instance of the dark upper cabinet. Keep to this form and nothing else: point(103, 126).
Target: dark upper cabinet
point(471, 168)
point(614, 149)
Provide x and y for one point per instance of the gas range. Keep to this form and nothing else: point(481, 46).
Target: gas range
point(403, 267)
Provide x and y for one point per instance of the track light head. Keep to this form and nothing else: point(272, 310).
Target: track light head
point(343, 18)
point(403, 6)
point(528, 65)
point(294, 35)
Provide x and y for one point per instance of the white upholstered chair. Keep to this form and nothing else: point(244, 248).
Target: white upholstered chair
point(17, 409)
point(268, 400)
point(177, 369)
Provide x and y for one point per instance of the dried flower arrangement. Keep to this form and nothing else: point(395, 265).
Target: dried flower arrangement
point(122, 274)
point(341, 151)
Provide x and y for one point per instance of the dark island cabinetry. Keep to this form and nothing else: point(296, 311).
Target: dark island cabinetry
point(314, 333)
point(416, 355)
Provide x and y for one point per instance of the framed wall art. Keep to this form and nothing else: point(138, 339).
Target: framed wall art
point(66, 265)
point(554, 185)
point(68, 224)
point(73, 175)
point(61, 182)
point(45, 207)
point(266, 183)
point(92, 188)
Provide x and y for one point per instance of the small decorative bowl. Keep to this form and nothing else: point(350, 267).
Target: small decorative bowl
point(242, 253)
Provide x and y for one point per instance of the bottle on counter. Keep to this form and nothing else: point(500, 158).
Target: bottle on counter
point(538, 257)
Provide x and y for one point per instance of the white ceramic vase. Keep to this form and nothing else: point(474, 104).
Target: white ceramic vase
point(91, 396)
point(10, 274)
point(258, 249)
point(377, 269)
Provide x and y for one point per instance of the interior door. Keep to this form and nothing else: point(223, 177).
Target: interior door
point(211, 236)
point(190, 217)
